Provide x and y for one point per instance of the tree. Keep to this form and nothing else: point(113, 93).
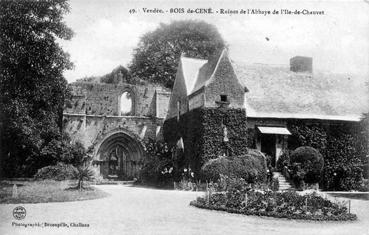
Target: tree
point(119, 75)
point(32, 85)
point(158, 52)
point(158, 167)
point(81, 160)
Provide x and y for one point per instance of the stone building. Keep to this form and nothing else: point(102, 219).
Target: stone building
point(115, 120)
point(206, 110)
point(202, 83)
point(275, 97)
point(216, 107)
point(282, 95)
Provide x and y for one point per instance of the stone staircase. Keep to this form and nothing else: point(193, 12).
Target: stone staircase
point(283, 183)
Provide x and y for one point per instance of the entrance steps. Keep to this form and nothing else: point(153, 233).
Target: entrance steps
point(283, 183)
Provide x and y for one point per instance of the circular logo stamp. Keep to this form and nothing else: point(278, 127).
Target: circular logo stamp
point(19, 212)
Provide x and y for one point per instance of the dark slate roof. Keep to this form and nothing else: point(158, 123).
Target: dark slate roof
point(280, 93)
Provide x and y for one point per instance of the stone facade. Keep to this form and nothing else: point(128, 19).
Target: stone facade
point(224, 83)
point(215, 84)
point(209, 99)
point(93, 118)
point(209, 117)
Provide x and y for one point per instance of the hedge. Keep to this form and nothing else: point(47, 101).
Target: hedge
point(60, 171)
point(251, 167)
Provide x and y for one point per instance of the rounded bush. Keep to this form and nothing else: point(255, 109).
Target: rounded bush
point(60, 171)
point(251, 167)
point(310, 161)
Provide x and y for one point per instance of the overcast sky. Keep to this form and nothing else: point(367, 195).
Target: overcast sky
point(106, 33)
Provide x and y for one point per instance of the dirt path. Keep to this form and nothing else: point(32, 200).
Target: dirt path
point(131, 210)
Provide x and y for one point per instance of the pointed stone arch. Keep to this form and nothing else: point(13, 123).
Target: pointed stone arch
point(120, 155)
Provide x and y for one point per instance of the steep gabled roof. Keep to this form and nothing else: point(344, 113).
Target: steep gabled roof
point(206, 74)
point(276, 92)
point(208, 70)
point(190, 70)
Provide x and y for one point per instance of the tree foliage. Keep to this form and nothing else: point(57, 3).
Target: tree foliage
point(158, 166)
point(32, 85)
point(158, 52)
point(119, 75)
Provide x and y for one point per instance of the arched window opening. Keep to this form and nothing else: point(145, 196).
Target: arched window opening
point(126, 104)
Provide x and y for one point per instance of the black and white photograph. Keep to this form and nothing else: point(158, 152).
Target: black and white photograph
point(184, 117)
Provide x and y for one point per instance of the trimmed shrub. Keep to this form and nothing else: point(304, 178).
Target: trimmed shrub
point(251, 167)
point(310, 161)
point(59, 172)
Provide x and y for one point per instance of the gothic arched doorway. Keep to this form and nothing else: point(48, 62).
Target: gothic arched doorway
point(120, 157)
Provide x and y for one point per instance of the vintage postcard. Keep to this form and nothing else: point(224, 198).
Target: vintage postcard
point(184, 117)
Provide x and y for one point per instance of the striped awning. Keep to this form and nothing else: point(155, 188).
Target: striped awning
point(274, 130)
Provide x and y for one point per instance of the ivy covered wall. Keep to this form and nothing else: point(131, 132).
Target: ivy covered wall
point(202, 131)
point(342, 148)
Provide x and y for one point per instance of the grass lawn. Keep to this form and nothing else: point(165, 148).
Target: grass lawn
point(46, 191)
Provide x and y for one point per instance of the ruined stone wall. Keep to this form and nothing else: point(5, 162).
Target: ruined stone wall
point(91, 129)
point(103, 99)
point(162, 103)
point(78, 103)
point(93, 112)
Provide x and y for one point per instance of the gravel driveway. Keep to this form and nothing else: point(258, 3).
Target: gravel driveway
point(132, 210)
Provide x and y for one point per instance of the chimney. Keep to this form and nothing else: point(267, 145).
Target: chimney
point(301, 64)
